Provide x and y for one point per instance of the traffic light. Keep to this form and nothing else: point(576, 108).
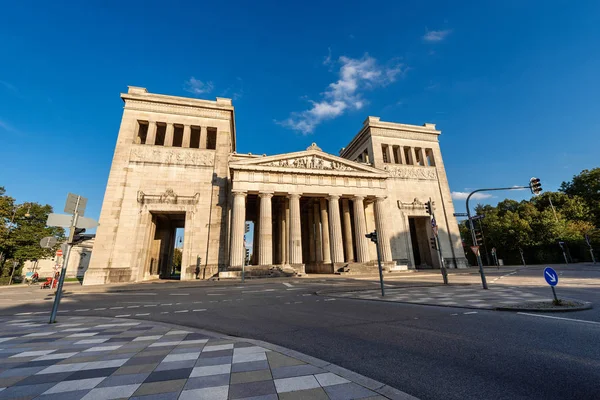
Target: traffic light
point(247, 256)
point(247, 228)
point(535, 185)
point(428, 208)
point(432, 241)
point(372, 236)
point(479, 238)
point(78, 236)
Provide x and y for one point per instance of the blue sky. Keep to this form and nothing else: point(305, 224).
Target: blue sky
point(513, 85)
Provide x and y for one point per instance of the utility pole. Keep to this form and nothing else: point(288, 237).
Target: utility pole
point(537, 188)
point(436, 240)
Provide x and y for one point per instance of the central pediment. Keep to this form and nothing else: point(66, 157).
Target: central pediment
point(312, 159)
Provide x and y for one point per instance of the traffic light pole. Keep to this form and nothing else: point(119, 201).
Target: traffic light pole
point(439, 247)
point(472, 228)
point(63, 271)
point(380, 270)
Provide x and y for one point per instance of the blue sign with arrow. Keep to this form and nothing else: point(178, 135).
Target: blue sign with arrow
point(551, 276)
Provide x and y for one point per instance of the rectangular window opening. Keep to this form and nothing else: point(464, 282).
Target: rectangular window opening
point(142, 132)
point(395, 150)
point(161, 130)
point(177, 135)
point(407, 155)
point(384, 151)
point(211, 138)
point(430, 159)
point(195, 137)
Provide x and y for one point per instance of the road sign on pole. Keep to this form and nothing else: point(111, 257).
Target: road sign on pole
point(475, 250)
point(48, 242)
point(552, 279)
point(59, 253)
point(476, 217)
point(86, 223)
point(62, 220)
point(460, 214)
point(75, 204)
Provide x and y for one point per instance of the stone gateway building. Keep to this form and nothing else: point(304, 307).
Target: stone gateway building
point(175, 166)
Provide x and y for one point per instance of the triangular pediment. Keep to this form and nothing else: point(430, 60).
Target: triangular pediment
point(312, 159)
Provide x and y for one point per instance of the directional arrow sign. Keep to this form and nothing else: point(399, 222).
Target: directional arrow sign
point(551, 276)
point(476, 217)
point(62, 220)
point(86, 223)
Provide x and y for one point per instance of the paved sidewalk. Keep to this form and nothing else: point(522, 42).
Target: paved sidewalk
point(467, 296)
point(114, 358)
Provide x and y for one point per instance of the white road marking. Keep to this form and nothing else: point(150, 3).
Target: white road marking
point(83, 309)
point(117, 308)
point(258, 291)
point(329, 300)
point(470, 312)
point(24, 313)
point(200, 309)
point(297, 288)
point(167, 304)
point(288, 284)
point(454, 314)
point(139, 315)
point(164, 312)
point(180, 311)
point(179, 294)
point(215, 294)
point(122, 315)
point(99, 309)
point(561, 318)
point(133, 306)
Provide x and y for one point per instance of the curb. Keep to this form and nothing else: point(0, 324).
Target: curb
point(585, 306)
point(371, 384)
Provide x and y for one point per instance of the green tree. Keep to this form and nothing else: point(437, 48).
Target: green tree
point(20, 240)
point(586, 185)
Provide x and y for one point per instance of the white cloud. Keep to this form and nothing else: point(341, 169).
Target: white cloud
point(327, 59)
point(355, 76)
point(196, 86)
point(436, 36)
point(464, 195)
point(6, 127)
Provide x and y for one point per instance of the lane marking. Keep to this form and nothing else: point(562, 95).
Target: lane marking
point(122, 315)
point(150, 305)
point(99, 309)
point(561, 318)
point(180, 311)
point(133, 306)
point(139, 315)
point(179, 294)
point(470, 312)
point(329, 300)
point(167, 304)
point(215, 294)
point(82, 309)
point(454, 314)
point(288, 284)
point(200, 309)
point(117, 308)
point(165, 312)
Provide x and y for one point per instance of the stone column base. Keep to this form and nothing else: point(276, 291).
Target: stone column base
point(107, 275)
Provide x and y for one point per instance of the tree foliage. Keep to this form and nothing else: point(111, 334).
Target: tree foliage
point(536, 228)
point(22, 226)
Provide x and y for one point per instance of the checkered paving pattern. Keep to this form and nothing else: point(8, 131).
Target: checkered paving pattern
point(103, 358)
point(458, 296)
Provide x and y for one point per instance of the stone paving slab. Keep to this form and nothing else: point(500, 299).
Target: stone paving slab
point(465, 296)
point(115, 358)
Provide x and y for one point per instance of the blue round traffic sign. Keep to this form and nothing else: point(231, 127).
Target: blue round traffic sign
point(551, 276)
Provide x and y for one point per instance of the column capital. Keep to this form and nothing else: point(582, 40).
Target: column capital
point(267, 195)
point(293, 195)
point(238, 192)
point(334, 197)
point(358, 197)
point(380, 198)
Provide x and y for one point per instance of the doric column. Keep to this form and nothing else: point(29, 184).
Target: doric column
point(318, 241)
point(422, 157)
point(335, 230)
point(360, 228)
point(349, 250)
point(151, 136)
point(412, 155)
point(238, 219)
point(325, 228)
point(187, 135)
point(203, 136)
point(265, 233)
point(283, 243)
point(169, 135)
point(311, 233)
point(382, 231)
point(295, 232)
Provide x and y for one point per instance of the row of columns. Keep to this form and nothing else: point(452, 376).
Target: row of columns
point(414, 154)
point(169, 133)
point(329, 244)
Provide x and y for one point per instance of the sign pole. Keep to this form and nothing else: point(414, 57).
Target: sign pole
point(61, 278)
point(522, 258)
point(554, 294)
point(438, 245)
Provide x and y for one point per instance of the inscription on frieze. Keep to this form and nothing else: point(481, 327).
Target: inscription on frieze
point(171, 156)
point(411, 172)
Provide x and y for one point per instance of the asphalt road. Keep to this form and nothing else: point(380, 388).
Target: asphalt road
point(429, 352)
